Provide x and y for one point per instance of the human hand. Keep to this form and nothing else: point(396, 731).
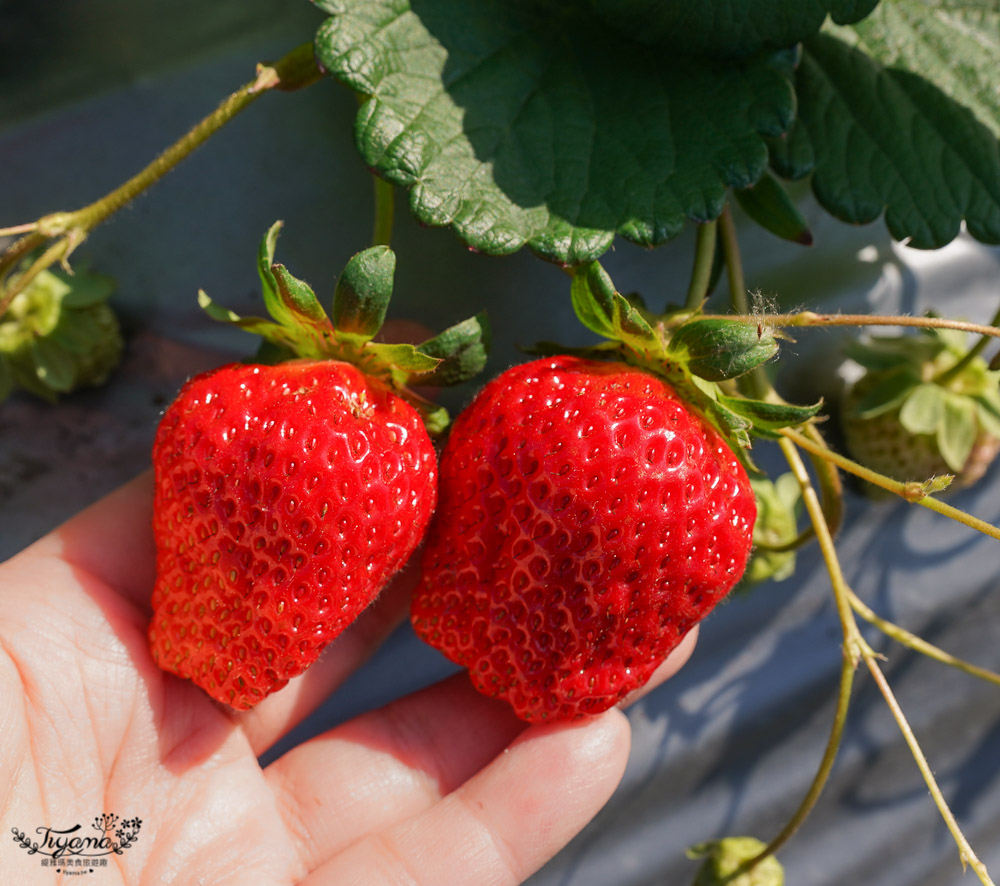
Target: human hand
point(442, 787)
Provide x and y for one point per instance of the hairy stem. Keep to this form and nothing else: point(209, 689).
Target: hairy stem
point(919, 644)
point(811, 318)
point(701, 273)
point(915, 493)
point(964, 849)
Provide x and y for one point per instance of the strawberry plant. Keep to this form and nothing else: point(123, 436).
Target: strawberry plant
point(598, 499)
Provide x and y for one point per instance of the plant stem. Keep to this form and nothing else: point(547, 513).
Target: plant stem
point(915, 493)
point(701, 273)
point(854, 647)
point(811, 318)
point(385, 199)
point(734, 263)
point(964, 849)
point(919, 644)
point(293, 71)
point(952, 372)
point(755, 382)
point(847, 670)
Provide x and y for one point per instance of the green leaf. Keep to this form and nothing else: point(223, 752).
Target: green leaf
point(957, 432)
point(363, 292)
point(880, 138)
point(954, 43)
point(717, 349)
point(767, 417)
point(722, 28)
point(768, 204)
point(462, 350)
point(602, 309)
point(518, 125)
point(923, 409)
point(887, 394)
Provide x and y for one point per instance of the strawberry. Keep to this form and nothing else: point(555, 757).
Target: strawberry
point(287, 495)
point(925, 406)
point(588, 518)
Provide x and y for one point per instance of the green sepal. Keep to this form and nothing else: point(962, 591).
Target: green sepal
point(602, 309)
point(768, 418)
point(988, 411)
point(462, 350)
point(718, 349)
point(300, 300)
point(88, 290)
point(436, 418)
point(402, 357)
point(54, 366)
point(768, 204)
point(889, 393)
point(890, 352)
point(363, 291)
point(957, 431)
point(778, 504)
point(269, 285)
point(266, 329)
point(923, 409)
point(724, 859)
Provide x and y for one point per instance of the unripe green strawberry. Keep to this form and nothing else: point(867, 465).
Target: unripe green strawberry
point(918, 413)
point(59, 335)
point(587, 520)
point(286, 497)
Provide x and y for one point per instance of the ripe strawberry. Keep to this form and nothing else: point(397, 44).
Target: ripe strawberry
point(287, 495)
point(587, 519)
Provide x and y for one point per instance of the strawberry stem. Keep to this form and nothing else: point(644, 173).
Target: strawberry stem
point(385, 199)
point(811, 318)
point(964, 849)
point(293, 71)
point(701, 273)
point(912, 492)
point(919, 644)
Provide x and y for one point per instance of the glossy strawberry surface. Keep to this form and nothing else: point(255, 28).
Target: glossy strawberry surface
point(587, 519)
point(286, 497)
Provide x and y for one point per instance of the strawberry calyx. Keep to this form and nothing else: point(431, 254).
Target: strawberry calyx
point(300, 328)
point(698, 356)
point(58, 335)
point(937, 386)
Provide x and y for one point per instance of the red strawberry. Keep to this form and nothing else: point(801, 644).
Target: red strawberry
point(287, 495)
point(587, 519)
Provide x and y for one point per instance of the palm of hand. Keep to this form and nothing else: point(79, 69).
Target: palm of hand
point(89, 726)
